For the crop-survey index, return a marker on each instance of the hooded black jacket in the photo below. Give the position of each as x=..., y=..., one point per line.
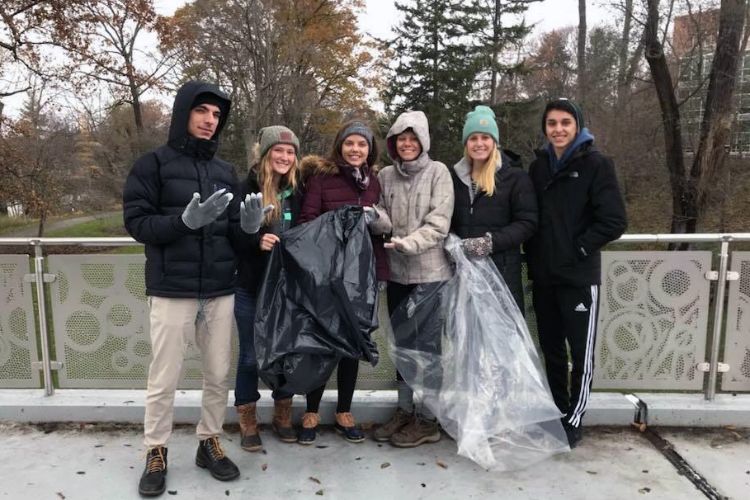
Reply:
x=580, y=210
x=181, y=262
x=509, y=215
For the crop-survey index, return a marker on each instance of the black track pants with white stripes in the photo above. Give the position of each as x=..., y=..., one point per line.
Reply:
x=569, y=314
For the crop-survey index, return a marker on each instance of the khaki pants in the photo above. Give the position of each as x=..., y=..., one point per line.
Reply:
x=173, y=324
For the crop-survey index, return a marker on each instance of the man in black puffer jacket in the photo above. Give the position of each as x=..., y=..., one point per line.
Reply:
x=580, y=210
x=179, y=201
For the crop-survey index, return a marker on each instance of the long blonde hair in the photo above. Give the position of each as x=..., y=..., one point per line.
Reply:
x=269, y=188
x=485, y=178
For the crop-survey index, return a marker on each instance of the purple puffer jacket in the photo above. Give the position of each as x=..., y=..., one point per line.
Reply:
x=329, y=189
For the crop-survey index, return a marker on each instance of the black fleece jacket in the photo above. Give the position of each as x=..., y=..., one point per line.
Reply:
x=580, y=210
x=181, y=262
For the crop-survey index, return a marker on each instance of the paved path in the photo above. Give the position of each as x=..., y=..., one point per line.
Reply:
x=60, y=224
x=105, y=461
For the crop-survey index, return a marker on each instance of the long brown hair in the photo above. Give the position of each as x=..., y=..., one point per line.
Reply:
x=269, y=188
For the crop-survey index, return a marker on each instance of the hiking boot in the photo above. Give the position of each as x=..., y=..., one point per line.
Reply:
x=211, y=456
x=416, y=432
x=345, y=426
x=153, y=480
x=282, y=420
x=249, y=428
x=309, y=428
x=397, y=422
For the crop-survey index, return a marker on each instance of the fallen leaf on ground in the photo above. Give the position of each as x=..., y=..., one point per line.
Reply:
x=59, y=494
x=314, y=479
x=441, y=464
x=264, y=466
x=319, y=493
x=385, y=465
x=643, y=491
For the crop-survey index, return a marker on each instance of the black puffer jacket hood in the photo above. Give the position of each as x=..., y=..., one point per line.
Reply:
x=179, y=138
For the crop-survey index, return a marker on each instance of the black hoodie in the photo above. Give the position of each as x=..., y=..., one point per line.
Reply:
x=181, y=262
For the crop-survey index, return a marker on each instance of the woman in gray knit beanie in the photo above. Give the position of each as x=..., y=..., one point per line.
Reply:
x=275, y=179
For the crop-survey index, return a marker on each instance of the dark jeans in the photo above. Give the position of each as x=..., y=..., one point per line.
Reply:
x=246, y=386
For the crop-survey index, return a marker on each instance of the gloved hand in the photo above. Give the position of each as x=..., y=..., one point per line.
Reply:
x=199, y=214
x=252, y=212
x=371, y=215
x=478, y=247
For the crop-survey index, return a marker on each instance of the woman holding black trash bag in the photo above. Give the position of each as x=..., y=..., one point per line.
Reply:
x=275, y=178
x=346, y=177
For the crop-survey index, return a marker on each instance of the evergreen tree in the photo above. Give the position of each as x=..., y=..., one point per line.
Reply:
x=438, y=54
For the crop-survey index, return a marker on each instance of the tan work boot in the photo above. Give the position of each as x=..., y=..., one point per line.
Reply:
x=418, y=431
x=282, y=420
x=398, y=421
x=249, y=428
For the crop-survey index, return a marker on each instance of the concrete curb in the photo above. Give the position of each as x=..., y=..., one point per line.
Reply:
x=127, y=406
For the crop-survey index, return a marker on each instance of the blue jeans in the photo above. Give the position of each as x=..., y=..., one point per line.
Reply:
x=246, y=386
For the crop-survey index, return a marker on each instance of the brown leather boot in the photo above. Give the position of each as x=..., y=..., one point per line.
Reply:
x=249, y=428
x=282, y=420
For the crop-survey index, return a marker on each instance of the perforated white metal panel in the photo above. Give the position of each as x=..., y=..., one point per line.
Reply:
x=653, y=320
x=18, y=346
x=101, y=323
x=737, y=345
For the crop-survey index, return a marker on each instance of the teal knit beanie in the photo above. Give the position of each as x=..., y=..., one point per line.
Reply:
x=481, y=120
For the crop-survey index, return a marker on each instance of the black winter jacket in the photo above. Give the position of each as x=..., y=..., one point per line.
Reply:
x=580, y=210
x=181, y=262
x=252, y=260
x=509, y=215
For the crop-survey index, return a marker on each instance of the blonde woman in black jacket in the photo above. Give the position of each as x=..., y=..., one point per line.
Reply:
x=495, y=207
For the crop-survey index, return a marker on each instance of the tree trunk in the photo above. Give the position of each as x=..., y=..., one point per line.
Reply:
x=720, y=105
x=42, y=221
x=684, y=202
x=582, y=33
x=495, y=49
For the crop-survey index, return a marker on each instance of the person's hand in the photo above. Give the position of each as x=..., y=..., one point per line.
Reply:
x=252, y=212
x=478, y=247
x=395, y=244
x=199, y=214
x=267, y=241
x=371, y=215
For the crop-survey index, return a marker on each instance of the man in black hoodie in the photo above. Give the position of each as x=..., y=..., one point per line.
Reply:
x=179, y=201
x=580, y=210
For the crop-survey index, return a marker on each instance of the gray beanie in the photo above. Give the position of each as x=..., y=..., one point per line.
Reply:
x=276, y=134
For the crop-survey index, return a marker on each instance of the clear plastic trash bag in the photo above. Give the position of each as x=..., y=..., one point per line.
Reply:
x=464, y=348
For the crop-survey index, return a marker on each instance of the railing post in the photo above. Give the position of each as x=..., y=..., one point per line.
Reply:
x=721, y=286
x=42, y=308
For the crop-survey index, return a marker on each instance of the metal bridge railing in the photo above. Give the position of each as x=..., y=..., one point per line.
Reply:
x=654, y=331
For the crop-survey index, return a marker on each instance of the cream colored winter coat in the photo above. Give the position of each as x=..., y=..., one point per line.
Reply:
x=416, y=206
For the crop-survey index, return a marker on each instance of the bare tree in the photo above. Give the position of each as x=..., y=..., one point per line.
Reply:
x=690, y=186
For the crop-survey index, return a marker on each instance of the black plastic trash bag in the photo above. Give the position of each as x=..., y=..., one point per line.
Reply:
x=318, y=302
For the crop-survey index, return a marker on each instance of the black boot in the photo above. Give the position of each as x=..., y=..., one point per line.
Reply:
x=153, y=480
x=211, y=456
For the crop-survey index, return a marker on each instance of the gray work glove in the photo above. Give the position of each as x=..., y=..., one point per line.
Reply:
x=199, y=214
x=252, y=212
x=478, y=247
x=371, y=215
